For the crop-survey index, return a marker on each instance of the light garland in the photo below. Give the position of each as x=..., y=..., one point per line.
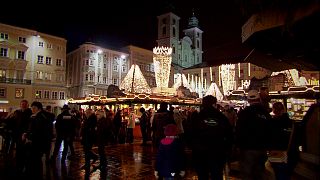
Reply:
x=227, y=72
x=162, y=65
x=182, y=81
x=215, y=91
x=139, y=85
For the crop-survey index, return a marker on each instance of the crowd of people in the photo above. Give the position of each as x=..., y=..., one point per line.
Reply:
x=216, y=135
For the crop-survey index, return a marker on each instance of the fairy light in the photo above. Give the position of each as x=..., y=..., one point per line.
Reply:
x=227, y=77
x=183, y=83
x=219, y=76
x=214, y=91
x=211, y=79
x=239, y=69
x=249, y=71
x=140, y=84
x=162, y=65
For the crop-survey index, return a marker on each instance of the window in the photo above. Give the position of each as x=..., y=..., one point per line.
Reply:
x=61, y=95
x=22, y=39
x=174, y=32
x=91, y=77
x=173, y=21
x=19, y=93
x=47, y=76
x=98, y=79
x=164, y=31
x=40, y=59
x=39, y=74
x=41, y=44
x=49, y=46
x=105, y=80
x=4, y=36
x=185, y=58
x=204, y=74
x=124, y=68
x=38, y=94
x=59, y=62
x=54, y=95
x=48, y=60
x=2, y=73
x=115, y=67
x=4, y=52
x=198, y=34
x=46, y=94
x=60, y=78
x=87, y=62
x=3, y=92
x=198, y=43
x=164, y=20
x=147, y=67
x=105, y=66
x=152, y=68
x=198, y=59
x=21, y=54
x=91, y=62
x=87, y=77
x=115, y=81
x=173, y=49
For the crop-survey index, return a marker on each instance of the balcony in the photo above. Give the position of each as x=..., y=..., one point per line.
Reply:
x=14, y=81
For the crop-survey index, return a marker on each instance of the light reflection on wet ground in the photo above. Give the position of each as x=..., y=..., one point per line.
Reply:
x=125, y=161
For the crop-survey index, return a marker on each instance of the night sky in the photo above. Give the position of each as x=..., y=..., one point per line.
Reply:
x=123, y=22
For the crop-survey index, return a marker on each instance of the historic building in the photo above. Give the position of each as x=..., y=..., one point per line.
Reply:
x=187, y=51
x=32, y=67
x=91, y=68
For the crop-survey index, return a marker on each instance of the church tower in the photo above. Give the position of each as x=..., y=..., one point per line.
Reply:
x=168, y=33
x=195, y=34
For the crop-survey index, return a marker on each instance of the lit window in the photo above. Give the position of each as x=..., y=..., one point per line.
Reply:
x=22, y=39
x=21, y=54
x=41, y=44
x=91, y=77
x=40, y=59
x=39, y=74
x=2, y=73
x=38, y=94
x=4, y=36
x=48, y=60
x=105, y=80
x=49, y=46
x=19, y=93
x=4, y=52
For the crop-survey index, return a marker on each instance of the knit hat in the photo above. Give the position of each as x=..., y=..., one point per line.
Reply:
x=170, y=130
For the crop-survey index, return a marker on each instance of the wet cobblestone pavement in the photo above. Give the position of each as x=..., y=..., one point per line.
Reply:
x=124, y=161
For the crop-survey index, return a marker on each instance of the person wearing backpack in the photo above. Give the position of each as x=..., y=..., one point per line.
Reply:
x=212, y=140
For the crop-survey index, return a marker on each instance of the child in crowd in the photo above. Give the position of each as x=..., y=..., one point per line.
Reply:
x=170, y=160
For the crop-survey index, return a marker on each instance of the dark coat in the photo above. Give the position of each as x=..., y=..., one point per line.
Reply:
x=170, y=157
x=88, y=130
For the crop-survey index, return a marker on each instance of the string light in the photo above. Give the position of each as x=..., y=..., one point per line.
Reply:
x=182, y=81
x=215, y=91
x=140, y=84
x=162, y=65
x=227, y=77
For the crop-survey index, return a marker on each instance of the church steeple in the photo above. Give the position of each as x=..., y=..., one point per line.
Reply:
x=193, y=21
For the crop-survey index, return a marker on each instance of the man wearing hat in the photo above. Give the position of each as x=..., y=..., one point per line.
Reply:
x=65, y=130
x=252, y=133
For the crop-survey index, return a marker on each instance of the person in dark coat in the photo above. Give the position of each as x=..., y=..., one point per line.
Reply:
x=161, y=118
x=117, y=121
x=212, y=140
x=143, y=126
x=51, y=117
x=253, y=137
x=38, y=137
x=17, y=125
x=89, y=136
x=170, y=160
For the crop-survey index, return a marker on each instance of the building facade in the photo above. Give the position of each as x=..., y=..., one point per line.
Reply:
x=32, y=67
x=91, y=68
x=144, y=59
x=187, y=51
